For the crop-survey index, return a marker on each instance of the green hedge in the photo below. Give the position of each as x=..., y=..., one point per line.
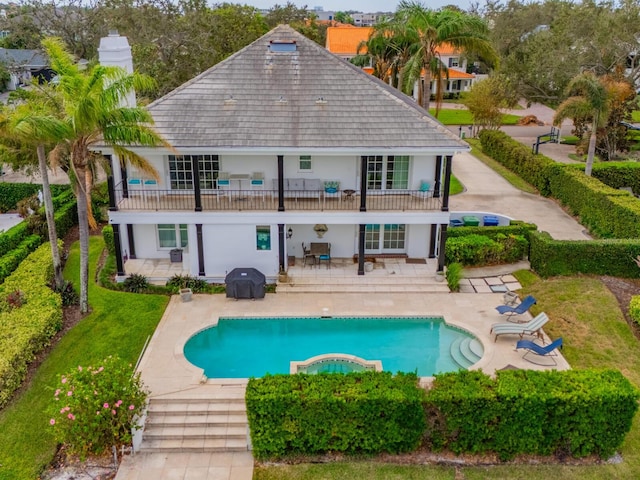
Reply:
x=370, y=412
x=65, y=219
x=107, y=234
x=515, y=228
x=12, y=193
x=535, y=169
x=570, y=413
x=478, y=250
x=634, y=309
x=550, y=257
x=26, y=330
x=616, y=174
x=10, y=261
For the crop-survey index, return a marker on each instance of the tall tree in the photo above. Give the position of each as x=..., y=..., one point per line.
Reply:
x=37, y=102
x=433, y=29
x=588, y=98
x=92, y=114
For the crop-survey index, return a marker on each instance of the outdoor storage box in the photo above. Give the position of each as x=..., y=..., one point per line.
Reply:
x=176, y=255
x=454, y=222
x=471, y=221
x=490, y=221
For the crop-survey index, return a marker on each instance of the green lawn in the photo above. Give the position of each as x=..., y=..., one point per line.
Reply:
x=118, y=325
x=586, y=315
x=450, y=116
x=635, y=116
x=455, y=186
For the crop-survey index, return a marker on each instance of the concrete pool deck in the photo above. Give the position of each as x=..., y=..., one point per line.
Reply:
x=165, y=370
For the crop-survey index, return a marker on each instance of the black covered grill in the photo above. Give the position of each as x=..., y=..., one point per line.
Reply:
x=245, y=283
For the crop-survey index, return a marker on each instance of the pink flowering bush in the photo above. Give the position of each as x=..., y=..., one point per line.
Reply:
x=94, y=407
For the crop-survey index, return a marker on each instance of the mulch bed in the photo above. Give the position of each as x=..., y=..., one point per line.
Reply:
x=623, y=289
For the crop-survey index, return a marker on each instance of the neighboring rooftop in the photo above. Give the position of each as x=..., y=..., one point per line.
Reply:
x=285, y=91
x=24, y=58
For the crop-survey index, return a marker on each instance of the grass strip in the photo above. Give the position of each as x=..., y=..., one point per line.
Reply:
x=459, y=116
x=119, y=324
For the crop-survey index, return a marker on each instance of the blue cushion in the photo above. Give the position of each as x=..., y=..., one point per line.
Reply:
x=223, y=182
x=257, y=182
x=424, y=186
x=324, y=257
x=330, y=190
x=134, y=181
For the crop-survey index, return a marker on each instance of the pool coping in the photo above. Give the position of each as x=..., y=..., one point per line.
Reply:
x=166, y=371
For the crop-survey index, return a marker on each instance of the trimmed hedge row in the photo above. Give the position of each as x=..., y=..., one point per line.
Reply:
x=65, y=218
x=571, y=413
x=515, y=228
x=61, y=203
x=574, y=412
x=109, y=242
x=634, y=309
x=12, y=193
x=479, y=250
x=535, y=169
x=369, y=412
x=27, y=329
x=613, y=257
x=616, y=174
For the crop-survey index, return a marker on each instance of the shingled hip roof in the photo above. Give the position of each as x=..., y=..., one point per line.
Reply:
x=301, y=98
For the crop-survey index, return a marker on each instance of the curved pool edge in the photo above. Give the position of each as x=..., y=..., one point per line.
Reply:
x=488, y=347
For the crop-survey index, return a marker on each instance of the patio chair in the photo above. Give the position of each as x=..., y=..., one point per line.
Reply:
x=511, y=311
x=308, y=258
x=549, y=351
x=532, y=327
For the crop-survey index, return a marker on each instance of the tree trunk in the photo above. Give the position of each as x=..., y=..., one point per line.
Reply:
x=591, y=152
x=83, y=223
x=51, y=224
x=426, y=90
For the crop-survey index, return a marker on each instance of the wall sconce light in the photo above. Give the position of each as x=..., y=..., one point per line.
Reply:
x=289, y=233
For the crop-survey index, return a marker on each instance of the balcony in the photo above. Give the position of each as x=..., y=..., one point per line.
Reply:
x=267, y=200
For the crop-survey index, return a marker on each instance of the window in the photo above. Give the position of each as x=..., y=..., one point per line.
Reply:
x=388, y=238
x=454, y=62
x=172, y=236
x=263, y=237
x=305, y=163
x=392, y=174
x=181, y=173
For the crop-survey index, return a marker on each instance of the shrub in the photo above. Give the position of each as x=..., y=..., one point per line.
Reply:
x=576, y=413
x=634, y=309
x=368, y=412
x=197, y=285
x=12, y=193
x=478, y=249
x=454, y=274
x=27, y=330
x=550, y=257
x=135, y=283
x=67, y=293
x=107, y=234
x=10, y=261
x=94, y=408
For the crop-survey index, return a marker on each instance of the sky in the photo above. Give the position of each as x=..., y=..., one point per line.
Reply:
x=365, y=6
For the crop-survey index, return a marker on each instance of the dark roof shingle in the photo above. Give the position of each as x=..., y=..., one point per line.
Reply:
x=304, y=99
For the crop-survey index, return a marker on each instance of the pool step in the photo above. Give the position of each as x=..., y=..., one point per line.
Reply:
x=215, y=420
x=466, y=351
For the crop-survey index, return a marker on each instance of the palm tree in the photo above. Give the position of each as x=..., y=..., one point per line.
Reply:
x=17, y=136
x=588, y=98
x=433, y=29
x=93, y=113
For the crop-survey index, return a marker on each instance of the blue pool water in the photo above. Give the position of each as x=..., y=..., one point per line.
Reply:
x=252, y=347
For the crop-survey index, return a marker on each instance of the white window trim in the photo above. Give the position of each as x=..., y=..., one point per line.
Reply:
x=177, y=232
x=310, y=160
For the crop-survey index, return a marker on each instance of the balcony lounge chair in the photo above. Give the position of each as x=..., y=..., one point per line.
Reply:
x=511, y=311
x=530, y=328
x=535, y=349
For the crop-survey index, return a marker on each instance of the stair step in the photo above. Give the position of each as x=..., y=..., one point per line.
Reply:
x=179, y=432
x=466, y=351
x=330, y=287
x=193, y=445
x=197, y=408
x=205, y=420
x=457, y=355
x=477, y=348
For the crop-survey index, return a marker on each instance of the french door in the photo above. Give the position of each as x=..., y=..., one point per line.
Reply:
x=385, y=238
x=387, y=173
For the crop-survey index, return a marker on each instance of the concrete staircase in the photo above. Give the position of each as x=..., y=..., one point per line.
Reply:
x=197, y=424
x=362, y=284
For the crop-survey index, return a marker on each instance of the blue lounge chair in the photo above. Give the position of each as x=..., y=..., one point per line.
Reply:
x=530, y=328
x=519, y=309
x=547, y=351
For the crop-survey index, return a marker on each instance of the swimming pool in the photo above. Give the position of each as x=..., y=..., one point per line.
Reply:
x=251, y=347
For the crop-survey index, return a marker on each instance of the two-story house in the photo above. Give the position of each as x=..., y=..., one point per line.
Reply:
x=279, y=144
x=344, y=41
